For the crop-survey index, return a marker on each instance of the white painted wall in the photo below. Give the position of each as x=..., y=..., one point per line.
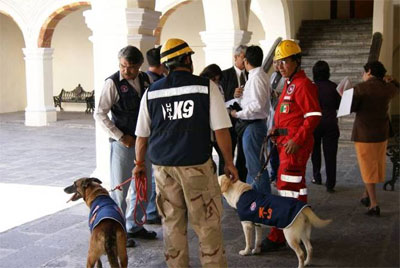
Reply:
x=186, y=23
x=322, y=11
x=12, y=67
x=193, y=12
x=395, y=105
x=256, y=29
x=309, y=10
x=396, y=42
x=383, y=22
x=73, y=56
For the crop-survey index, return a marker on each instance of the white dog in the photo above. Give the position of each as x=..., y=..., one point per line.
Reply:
x=296, y=227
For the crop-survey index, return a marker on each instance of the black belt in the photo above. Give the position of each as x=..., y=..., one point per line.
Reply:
x=280, y=132
x=252, y=121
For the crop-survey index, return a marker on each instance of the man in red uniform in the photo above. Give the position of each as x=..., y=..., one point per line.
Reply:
x=296, y=116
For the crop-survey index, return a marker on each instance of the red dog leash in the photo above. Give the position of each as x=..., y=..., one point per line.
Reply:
x=141, y=195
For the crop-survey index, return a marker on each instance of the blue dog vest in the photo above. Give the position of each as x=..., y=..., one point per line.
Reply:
x=103, y=207
x=268, y=209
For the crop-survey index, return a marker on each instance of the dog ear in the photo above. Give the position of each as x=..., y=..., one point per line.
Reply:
x=96, y=180
x=86, y=182
x=225, y=183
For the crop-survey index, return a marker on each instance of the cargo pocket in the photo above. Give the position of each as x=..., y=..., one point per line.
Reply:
x=204, y=206
x=205, y=200
x=159, y=203
x=297, y=162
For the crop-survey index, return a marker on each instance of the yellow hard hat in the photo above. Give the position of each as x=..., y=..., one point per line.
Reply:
x=173, y=48
x=286, y=48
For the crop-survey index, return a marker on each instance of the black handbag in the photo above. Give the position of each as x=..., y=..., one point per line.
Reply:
x=240, y=127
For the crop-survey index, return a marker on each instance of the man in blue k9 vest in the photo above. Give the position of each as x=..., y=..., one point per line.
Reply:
x=177, y=115
x=121, y=95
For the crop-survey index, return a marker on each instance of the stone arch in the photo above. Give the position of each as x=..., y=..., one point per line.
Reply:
x=47, y=30
x=275, y=17
x=164, y=18
x=13, y=84
x=9, y=12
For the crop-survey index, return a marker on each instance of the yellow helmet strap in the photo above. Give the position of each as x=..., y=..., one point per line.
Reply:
x=174, y=49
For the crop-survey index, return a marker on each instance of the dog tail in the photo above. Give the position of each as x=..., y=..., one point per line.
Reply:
x=314, y=219
x=110, y=245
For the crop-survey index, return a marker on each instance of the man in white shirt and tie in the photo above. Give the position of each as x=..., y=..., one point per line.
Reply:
x=255, y=104
x=232, y=82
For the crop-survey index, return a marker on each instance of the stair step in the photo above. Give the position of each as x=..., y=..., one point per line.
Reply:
x=345, y=45
x=339, y=69
x=335, y=43
x=335, y=36
x=354, y=80
x=345, y=143
x=336, y=28
x=361, y=59
x=347, y=119
x=337, y=22
x=336, y=78
x=346, y=128
x=345, y=135
x=339, y=51
x=335, y=66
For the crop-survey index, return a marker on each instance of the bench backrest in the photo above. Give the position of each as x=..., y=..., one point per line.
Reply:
x=77, y=93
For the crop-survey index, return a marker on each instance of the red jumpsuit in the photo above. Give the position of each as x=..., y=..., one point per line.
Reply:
x=298, y=112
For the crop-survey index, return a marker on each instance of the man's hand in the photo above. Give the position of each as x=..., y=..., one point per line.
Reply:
x=388, y=78
x=139, y=170
x=231, y=172
x=291, y=147
x=238, y=92
x=272, y=135
x=233, y=113
x=127, y=140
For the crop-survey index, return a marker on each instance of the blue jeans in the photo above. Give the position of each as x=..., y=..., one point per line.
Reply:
x=253, y=138
x=151, y=211
x=273, y=161
x=121, y=165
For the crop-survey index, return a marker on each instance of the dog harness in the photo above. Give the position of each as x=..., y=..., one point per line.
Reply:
x=268, y=209
x=103, y=207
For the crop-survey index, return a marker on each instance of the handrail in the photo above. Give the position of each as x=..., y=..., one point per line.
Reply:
x=375, y=48
x=270, y=56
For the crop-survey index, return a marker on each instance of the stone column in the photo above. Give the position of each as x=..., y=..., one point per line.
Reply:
x=220, y=46
x=383, y=23
x=114, y=26
x=141, y=24
x=40, y=109
x=222, y=36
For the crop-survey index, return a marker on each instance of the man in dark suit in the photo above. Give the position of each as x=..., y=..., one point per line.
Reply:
x=232, y=82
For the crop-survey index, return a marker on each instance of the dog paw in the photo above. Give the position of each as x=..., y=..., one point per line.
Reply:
x=245, y=252
x=256, y=250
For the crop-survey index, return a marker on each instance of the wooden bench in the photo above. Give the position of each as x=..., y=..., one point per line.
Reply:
x=393, y=151
x=78, y=95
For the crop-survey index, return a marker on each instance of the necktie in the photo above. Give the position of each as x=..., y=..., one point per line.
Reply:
x=242, y=79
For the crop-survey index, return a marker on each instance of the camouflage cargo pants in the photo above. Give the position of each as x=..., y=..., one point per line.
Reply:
x=190, y=192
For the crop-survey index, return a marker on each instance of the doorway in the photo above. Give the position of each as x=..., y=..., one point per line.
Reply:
x=345, y=9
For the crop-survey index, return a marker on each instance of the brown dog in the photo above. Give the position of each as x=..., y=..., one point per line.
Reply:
x=106, y=221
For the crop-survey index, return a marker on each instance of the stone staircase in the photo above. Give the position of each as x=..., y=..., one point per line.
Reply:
x=345, y=45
